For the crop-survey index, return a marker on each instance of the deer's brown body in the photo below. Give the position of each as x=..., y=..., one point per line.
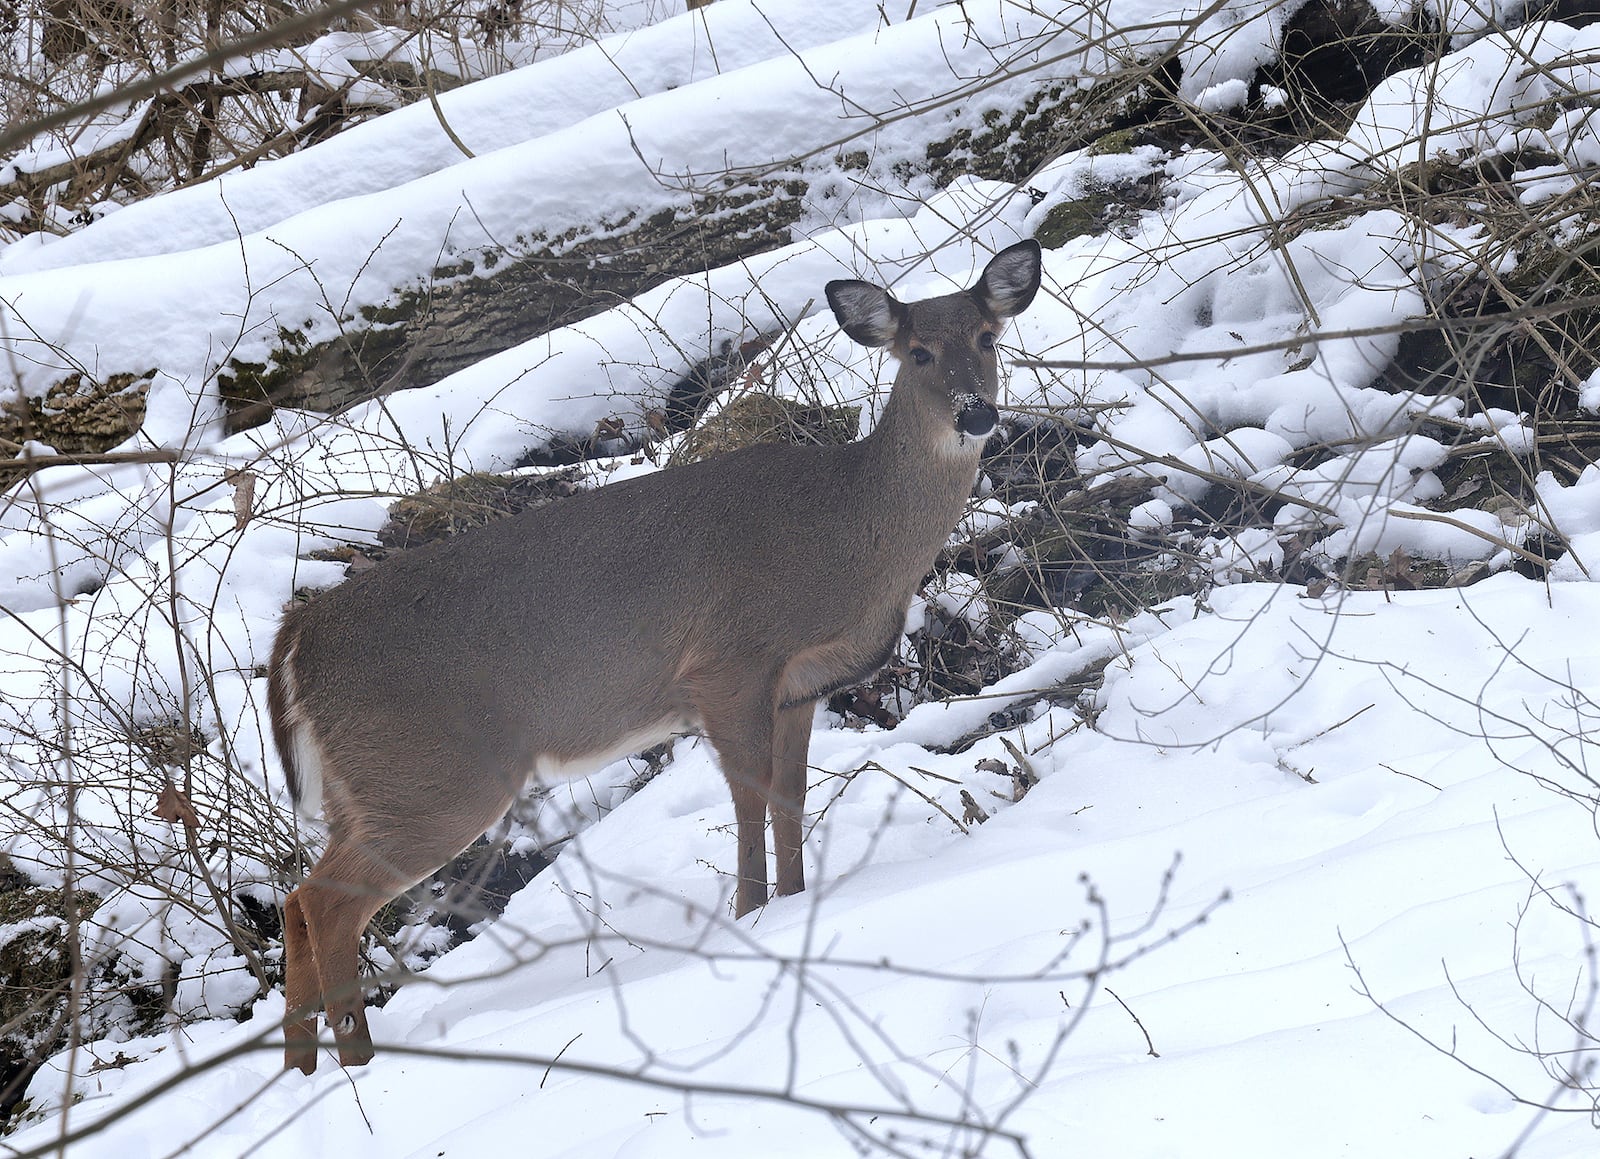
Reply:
x=413, y=703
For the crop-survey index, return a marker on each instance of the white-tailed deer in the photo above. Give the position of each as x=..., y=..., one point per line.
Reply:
x=413, y=703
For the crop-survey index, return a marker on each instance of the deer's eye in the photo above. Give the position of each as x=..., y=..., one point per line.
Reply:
x=921, y=356
x=986, y=340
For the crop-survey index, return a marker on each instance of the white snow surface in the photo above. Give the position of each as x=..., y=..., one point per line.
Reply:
x=1378, y=803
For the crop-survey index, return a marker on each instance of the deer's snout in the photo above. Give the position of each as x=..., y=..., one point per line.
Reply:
x=975, y=416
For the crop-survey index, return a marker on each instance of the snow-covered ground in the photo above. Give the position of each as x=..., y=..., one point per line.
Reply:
x=1360, y=813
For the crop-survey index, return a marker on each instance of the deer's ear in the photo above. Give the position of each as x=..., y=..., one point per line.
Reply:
x=868, y=313
x=1010, y=280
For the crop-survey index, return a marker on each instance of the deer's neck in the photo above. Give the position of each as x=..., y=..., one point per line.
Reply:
x=921, y=469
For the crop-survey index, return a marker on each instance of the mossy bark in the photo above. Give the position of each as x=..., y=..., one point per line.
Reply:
x=459, y=317
x=84, y=414
x=35, y=977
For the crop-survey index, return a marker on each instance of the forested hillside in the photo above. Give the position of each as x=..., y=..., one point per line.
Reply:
x=1230, y=789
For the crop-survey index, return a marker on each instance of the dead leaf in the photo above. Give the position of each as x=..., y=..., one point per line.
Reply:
x=1469, y=486
x=1401, y=572
x=172, y=806
x=244, y=494
x=972, y=813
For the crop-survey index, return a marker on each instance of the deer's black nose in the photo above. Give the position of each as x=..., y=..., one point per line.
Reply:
x=975, y=416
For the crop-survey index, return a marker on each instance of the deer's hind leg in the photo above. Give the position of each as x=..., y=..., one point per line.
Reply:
x=410, y=823
x=302, y=990
x=366, y=866
x=324, y=920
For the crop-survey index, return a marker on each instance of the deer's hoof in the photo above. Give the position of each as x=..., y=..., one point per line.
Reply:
x=300, y=1047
